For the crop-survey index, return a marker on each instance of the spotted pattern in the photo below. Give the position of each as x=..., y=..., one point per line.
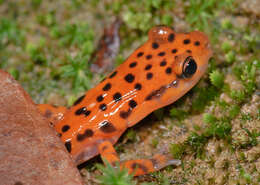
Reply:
x=140, y=54
x=149, y=76
x=168, y=70
x=88, y=133
x=129, y=78
x=143, y=81
x=148, y=57
x=100, y=98
x=68, y=146
x=79, y=100
x=138, y=86
x=133, y=64
x=82, y=110
x=163, y=63
x=132, y=104
x=113, y=74
x=148, y=67
x=161, y=54
x=107, y=127
x=155, y=45
x=65, y=128
x=186, y=41
x=174, y=50
x=107, y=87
x=117, y=97
x=171, y=37
x=125, y=114
x=103, y=107
x=197, y=43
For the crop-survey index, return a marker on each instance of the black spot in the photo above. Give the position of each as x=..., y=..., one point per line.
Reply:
x=161, y=54
x=188, y=51
x=129, y=78
x=171, y=37
x=197, y=43
x=87, y=112
x=107, y=87
x=163, y=63
x=65, y=128
x=155, y=45
x=138, y=86
x=103, y=107
x=136, y=165
x=148, y=66
x=117, y=97
x=133, y=64
x=168, y=70
x=68, y=146
x=79, y=100
x=174, y=50
x=156, y=93
x=100, y=98
x=107, y=127
x=149, y=76
x=113, y=74
x=86, y=134
x=148, y=57
x=132, y=104
x=81, y=110
x=140, y=54
x=186, y=41
x=59, y=134
x=125, y=114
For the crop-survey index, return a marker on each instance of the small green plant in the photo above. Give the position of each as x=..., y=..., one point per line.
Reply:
x=10, y=33
x=253, y=135
x=205, y=96
x=177, y=150
x=114, y=176
x=217, y=79
x=178, y=114
x=209, y=118
x=77, y=71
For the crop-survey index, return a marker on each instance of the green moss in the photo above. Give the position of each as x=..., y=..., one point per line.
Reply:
x=178, y=114
x=217, y=79
x=177, y=150
x=114, y=176
x=253, y=135
x=238, y=95
x=77, y=71
x=246, y=72
x=196, y=142
x=204, y=97
x=209, y=118
x=10, y=33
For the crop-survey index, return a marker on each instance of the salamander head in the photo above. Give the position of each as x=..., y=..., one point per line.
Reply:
x=183, y=59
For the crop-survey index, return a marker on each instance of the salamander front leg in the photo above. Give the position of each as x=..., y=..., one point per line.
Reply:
x=138, y=166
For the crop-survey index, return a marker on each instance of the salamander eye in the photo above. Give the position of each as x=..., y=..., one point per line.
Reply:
x=189, y=67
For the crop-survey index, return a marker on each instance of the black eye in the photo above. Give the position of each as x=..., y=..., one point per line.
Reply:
x=189, y=67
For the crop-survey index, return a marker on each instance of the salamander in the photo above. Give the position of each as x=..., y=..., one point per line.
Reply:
x=156, y=74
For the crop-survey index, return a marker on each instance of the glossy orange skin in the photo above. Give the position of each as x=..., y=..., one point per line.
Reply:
x=150, y=78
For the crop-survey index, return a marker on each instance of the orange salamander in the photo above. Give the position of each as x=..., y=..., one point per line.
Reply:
x=156, y=74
